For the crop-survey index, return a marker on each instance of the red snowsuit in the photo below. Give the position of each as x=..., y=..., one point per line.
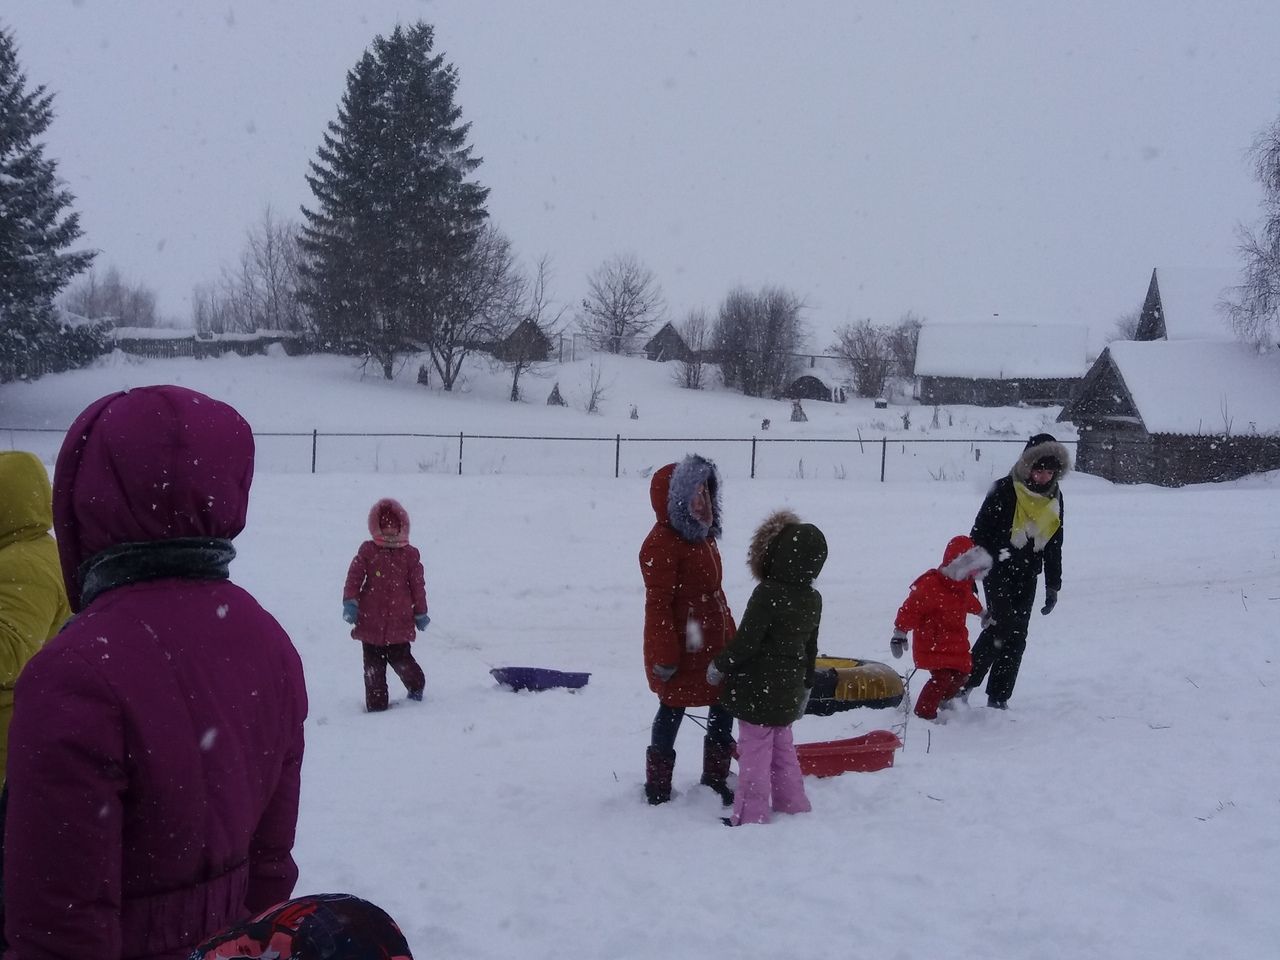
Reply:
x=935, y=611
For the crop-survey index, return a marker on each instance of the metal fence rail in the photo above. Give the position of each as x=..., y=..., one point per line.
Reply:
x=859, y=458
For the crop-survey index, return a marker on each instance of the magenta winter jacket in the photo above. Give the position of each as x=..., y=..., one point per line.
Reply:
x=387, y=581
x=157, y=740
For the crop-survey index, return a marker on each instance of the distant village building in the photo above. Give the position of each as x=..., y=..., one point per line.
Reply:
x=1185, y=303
x=1178, y=412
x=811, y=387
x=1182, y=402
x=526, y=342
x=667, y=344
x=1000, y=364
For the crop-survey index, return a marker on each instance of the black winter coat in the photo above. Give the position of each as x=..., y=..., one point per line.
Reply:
x=992, y=529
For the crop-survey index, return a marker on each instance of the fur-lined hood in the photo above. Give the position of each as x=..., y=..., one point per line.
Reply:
x=783, y=548
x=672, y=488
x=388, y=506
x=1042, y=445
x=963, y=560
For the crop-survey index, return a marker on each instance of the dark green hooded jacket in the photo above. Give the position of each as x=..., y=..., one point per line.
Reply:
x=769, y=664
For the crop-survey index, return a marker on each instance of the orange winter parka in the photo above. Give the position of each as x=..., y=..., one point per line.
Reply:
x=686, y=616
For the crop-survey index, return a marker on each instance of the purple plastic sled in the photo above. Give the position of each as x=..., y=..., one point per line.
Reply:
x=538, y=678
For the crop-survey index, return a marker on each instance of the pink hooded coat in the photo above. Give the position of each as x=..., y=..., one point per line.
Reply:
x=387, y=580
x=157, y=741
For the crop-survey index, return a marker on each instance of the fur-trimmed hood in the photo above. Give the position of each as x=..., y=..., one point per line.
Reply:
x=380, y=509
x=672, y=488
x=784, y=548
x=964, y=560
x=1041, y=445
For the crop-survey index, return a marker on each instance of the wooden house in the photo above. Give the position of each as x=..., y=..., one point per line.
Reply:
x=1177, y=412
x=526, y=342
x=667, y=344
x=1000, y=364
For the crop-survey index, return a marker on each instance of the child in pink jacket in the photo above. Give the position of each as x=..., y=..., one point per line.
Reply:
x=385, y=600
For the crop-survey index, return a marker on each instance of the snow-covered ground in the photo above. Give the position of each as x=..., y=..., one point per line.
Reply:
x=333, y=395
x=1125, y=806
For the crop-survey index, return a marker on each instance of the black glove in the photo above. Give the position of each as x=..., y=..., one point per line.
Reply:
x=898, y=644
x=1050, y=600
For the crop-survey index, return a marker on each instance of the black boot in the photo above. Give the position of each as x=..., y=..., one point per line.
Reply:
x=715, y=768
x=659, y=765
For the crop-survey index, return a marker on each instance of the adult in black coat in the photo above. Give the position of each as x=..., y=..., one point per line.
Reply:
x=1020, y=525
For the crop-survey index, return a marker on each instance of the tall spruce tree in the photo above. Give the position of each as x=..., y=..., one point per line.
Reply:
x=395, y=218
x=35, y=230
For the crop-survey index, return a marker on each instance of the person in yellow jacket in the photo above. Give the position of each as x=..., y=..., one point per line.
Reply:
x=33, y=600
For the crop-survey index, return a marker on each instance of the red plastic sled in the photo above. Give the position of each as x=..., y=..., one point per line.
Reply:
x=830, y=758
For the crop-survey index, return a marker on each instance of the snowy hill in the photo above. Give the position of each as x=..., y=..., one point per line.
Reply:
x=279, y=394
x=1124, y=806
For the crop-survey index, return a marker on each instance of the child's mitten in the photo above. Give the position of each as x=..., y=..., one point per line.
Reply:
x=420, y=620
x=898, y=644
x=350, y=611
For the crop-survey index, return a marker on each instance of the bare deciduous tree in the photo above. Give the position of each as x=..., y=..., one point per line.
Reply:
x=1126, y=325
x=210, y=312
x=111, y=297
x=261, y=291
x=756, y=339
x=268, y=275
x=623, y=301
x=864, y=346
x=597, y=389
x=1253, y=305
x=904, y=340
x=481, y=305
x=524, y=351
x=696, y=332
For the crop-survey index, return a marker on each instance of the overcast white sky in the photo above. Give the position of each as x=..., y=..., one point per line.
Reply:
x=1027, y=159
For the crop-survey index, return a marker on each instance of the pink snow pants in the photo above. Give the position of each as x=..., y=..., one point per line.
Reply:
x=769, y=777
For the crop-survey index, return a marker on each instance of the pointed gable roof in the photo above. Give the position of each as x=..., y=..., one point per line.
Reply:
x=1151, y=322
x=1188, y=300
x=1183, y=387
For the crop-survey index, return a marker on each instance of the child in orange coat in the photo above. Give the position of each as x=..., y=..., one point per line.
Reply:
x=935, y=610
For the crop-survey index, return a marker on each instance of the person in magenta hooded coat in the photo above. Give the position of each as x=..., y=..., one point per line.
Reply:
x=157, y=741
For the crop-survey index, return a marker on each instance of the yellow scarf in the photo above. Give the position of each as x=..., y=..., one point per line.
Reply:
x=1036, y=518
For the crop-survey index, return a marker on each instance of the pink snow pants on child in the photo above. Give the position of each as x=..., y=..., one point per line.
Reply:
x=769, y=777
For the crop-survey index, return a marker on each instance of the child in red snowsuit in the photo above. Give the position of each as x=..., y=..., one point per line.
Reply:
x=385, y=600
x=935, y=610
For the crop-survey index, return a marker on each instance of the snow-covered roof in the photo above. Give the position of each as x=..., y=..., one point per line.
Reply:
x=153, y=333
x=1190, y=297
x=1002, y=351
x=1198, y=386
